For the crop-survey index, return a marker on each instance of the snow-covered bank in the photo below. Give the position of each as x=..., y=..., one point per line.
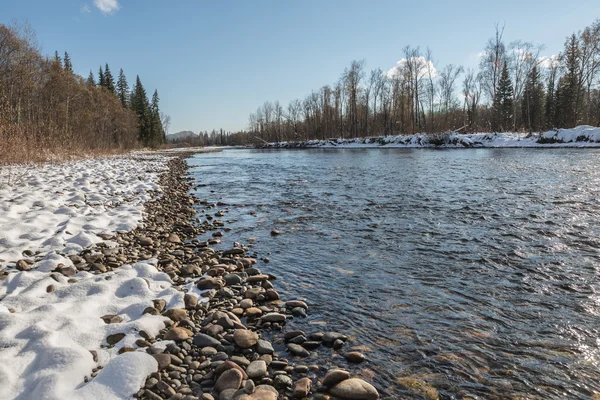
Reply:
x=52, y=208
x=47, y=338
x=581, y=136
x=53, y=337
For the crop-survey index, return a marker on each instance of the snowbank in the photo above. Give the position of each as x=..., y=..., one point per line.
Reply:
x=46, y=337
x=581, y=136
x=61, y=208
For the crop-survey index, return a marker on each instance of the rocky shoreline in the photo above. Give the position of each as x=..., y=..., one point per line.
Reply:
x=222, y=345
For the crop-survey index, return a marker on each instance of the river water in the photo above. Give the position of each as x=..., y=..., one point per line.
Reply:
x=476, y=272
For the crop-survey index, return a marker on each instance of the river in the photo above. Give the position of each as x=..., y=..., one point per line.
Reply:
x=475, y=271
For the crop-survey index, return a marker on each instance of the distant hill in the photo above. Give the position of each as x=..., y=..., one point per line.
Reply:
x=173, y=137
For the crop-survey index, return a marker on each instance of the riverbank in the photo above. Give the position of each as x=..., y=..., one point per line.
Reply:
x=154, y=306
x=581, y=136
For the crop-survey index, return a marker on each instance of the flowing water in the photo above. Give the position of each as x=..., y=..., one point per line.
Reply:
x=474, y=271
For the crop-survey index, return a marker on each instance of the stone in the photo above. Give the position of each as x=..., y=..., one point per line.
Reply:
x=203, y=340
x=245, y=338
x=112, y=319
x=257, y=369
x=230, y=379
x=114, y=339
x=419, y=387
x=232, y=279
x=227, y=394
x=253, y=312
x=22, y=265
x=282, y=381
x=338, y=344
x=227, y=365
x=159, y=304
x=335, y=376
x=302, y=388
x=145, y=241
x=296, y=303
x=264, y=347
x=163, y=360
x=210, y=283
x=330, y=337
x=354, y=389
x=190, y=301
x=176, y=314
x=173, y=238
x=246, y=303
x=297, y=350
x=177, y=334
x=249, y=387
x=273, y=317
x=354, y=357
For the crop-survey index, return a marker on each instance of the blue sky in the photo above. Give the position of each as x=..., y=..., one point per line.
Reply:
x=214, y=62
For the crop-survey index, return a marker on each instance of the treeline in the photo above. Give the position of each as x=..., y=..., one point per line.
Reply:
x=514, y=89
x=47, y=109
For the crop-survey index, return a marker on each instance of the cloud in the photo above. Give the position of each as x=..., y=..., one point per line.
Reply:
x=85, y=9
x=548, y=61
x=423, y=66
x=107, y=6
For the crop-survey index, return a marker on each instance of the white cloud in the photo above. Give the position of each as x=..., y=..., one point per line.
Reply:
x=548, y=61
x=107, y=6
x=85, y=9
x=423, y=65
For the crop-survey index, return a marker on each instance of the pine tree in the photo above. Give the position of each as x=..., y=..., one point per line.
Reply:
x=57, y=57
x=109, y=81
x=141, y=107
x=567, y=105
x=550, y=105
x=532, y=107
x=90, y=79
x=67, y=63
x=155, y=124
x=101, y=81
x=503, y=102
x=122, y=88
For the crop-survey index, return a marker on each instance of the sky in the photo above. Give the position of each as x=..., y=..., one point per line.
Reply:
x=215, y=62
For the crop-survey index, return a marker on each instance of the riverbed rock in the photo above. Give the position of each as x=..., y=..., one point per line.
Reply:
x=257, y=369
x=163, y=360
x=354, y=357
x=354, y=389
x=230, y=379
x=176, y=314
x=245, y=338
x=297, y=350
x=264, y=347
x=177, y=334
x=335, y=376
x=273, y=317
x=203, y=340
x=302, y=388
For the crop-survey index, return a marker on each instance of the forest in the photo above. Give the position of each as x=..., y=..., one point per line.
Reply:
x=46, y=110
x=514, y=88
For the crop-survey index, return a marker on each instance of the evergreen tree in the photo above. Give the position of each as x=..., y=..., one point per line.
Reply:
x=67, y=63
x=57, y=57
x=550, y=105
x=101, y=81
x=503, y=102
x=567, y=105
x=532, y=107
x=109, y=81
x=122, y=88
x=157, y=134
x=90, y=79
x=141, y=107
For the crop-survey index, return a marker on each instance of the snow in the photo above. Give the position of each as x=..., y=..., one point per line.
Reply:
x=45, y=342
x=581, y=136
x=46, y=335
x=62, y=207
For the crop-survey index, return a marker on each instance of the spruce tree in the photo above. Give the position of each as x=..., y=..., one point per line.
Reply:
x=90, y=79
x=157, y=134
x=109, y=81
x=141, y=107
x=122, y=88
x=532, y=107
x=550, y=105
x=67, y=63
x=57, y=57
x=101, y=81
x=503, y=102
x=568, y=105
